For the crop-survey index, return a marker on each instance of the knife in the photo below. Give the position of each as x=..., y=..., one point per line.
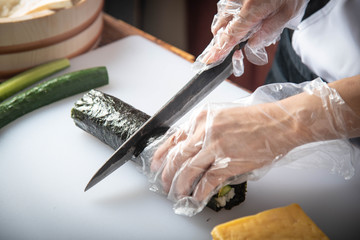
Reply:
x=191, y=94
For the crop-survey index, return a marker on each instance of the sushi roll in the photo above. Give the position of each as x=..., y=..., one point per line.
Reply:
x=113, y=121
x=228, y=197
x=107, y=118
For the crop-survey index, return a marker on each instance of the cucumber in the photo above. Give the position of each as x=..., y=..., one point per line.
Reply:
x=31, y=76
x=224, y=190
x=51, y=91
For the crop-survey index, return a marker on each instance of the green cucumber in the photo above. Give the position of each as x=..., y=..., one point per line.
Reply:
x=31, y=76
x=51, y=91
x=224, y=190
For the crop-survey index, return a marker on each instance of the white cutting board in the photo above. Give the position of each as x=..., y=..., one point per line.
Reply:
x=46, y=162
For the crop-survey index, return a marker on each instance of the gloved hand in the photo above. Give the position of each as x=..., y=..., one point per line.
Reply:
x=240, y=141
x=260, y=21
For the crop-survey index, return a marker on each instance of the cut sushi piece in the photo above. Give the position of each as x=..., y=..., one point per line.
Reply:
x=232, y=198
x=114, y=121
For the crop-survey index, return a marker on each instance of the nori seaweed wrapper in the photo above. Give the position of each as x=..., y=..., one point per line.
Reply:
x=114, y=121
x=107, y=118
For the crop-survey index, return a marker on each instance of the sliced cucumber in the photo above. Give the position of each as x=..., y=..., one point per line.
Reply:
x=224, y=190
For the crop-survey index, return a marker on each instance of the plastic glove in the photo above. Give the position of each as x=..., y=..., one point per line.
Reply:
x=235, y=142
x=260, y=21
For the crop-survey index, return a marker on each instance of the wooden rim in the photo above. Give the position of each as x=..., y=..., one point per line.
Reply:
x=4, y=74
x=52, y=40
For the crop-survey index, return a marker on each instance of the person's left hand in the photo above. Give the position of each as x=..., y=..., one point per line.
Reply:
x=235, y=142
x=218, y=144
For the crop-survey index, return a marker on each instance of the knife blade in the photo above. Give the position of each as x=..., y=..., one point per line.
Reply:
x=191, y=94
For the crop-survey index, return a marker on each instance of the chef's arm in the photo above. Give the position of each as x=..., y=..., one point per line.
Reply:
x=327, y=117
x=349, y=90
x=222, y=142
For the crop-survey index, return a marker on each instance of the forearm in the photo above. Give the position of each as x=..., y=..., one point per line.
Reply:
x=317, y=118
x=349, y=90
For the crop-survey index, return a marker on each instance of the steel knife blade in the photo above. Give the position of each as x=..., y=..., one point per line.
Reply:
x=191, y=94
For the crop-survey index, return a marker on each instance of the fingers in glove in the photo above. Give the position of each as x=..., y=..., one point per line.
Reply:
x=221, y=46
x=177, y=156
x=225, y=40
x=270, y=29
x=220, y=172
x=163, y=149
x=182, y=145
x=238, y=63
x=226, y=10
x=187, y=177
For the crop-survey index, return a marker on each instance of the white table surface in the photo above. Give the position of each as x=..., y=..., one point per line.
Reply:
x=46, y=162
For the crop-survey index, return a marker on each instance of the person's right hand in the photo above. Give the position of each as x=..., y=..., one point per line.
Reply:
x=259, y=21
